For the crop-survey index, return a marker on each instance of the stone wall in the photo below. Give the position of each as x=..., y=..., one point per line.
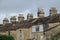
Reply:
x=53, y=31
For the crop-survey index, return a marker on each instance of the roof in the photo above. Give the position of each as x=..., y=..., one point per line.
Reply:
x=29, y=23
x=51, y=28
x=17, y=25
x=1, y=25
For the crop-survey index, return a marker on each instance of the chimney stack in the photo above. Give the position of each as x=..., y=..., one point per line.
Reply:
x=53, y=11
x=5, y=21
x=13, y=19
x=20, y=17
x=40, y=13
x=29, y=16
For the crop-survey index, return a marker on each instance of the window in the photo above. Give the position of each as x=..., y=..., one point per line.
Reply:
x=33, y=29
x=20, y=31
x=20, y=34
x=37, y=28
x=41, y=28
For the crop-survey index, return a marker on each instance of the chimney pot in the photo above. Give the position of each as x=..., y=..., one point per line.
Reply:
x=40, y=13
x=13, y=19
x=5, y=21
x=20, y=17
x=53, y=11
x=29, y=16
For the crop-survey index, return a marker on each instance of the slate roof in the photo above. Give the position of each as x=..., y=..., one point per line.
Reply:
x=29, y=23
x=17, y=25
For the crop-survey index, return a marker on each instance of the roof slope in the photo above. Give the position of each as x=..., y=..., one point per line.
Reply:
x=29, y=23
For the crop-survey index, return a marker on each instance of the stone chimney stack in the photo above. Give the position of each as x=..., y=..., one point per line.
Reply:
x=20, y=17
x=29, y=16
x=40, y=13
x=53, y=11
x=5, y=21
x=13, y=19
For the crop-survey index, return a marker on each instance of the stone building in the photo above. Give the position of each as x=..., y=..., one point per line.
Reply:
x=39, y=28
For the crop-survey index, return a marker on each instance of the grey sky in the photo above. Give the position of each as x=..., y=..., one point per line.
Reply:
x=14, y=7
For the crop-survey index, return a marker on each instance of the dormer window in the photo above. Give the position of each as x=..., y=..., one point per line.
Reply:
x=37, y=28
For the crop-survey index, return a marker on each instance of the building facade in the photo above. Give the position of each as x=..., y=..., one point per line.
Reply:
x=39, y=28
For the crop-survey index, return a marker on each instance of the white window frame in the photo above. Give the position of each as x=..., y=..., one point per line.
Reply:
x=40, y=28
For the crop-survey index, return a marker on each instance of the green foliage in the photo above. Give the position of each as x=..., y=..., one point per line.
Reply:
x=53, y=37
x=6, y=37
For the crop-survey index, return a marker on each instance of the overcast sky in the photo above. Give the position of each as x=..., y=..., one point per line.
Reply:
x=10, y=8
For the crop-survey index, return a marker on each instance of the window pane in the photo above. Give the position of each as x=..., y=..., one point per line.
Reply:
x=33, y=29
x=37, y=28
x=41, y=28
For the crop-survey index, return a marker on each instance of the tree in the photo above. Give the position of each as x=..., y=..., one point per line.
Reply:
x=6, y=37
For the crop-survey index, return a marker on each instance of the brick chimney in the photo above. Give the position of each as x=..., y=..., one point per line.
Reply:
x=20, y=17
x=40, y=13
x=5, y=21
x=13, y=19
x=29, y=16
x=53, y=11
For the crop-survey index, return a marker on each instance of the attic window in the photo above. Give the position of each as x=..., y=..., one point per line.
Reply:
x=37, y=28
